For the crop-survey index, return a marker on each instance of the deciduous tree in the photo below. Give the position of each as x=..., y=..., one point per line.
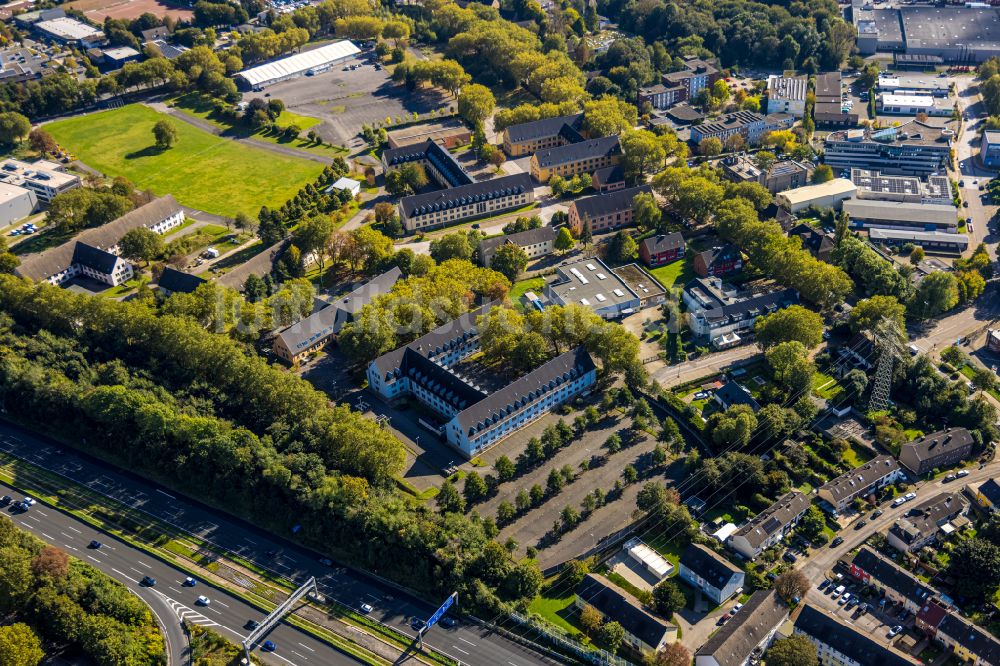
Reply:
x=165, y=134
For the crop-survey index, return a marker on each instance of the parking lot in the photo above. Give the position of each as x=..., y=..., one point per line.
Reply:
x=346, y=99
x=865, y=609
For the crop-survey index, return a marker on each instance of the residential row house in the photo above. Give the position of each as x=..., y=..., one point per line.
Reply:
x=770, y=526
x=896, y=584
x=923, y=524
x=744, y=639
x=940, y=449
x=705, y=570
x=644, y=632
x=863, y=482
x=662, y=249
x=968, y=643
x=841, y=644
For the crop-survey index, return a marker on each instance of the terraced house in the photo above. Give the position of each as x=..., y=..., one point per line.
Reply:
x=769, y=526
x=432, y=210
x=473, y=419
x=574, y=158
x=859, y=482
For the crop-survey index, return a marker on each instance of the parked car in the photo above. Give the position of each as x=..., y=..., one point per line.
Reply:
x=895, y=631
x=876, y=513
x=789, y=556
x=824, y=584
x=837, y=591
x=910, y=496
x=861, y=523
x=950, y=477
x=844, y=598
x=963, y=473
x=836, y=541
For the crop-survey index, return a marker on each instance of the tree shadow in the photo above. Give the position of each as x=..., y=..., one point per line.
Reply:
x=148, y=151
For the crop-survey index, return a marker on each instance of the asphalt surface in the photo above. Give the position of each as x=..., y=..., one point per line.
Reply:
x=468, y=643
x=169, y=599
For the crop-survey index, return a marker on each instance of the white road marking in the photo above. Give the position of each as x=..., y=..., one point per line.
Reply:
x=460, y=649
x=213, y=610
x=74, y=529
x=71, y=547
x=222, y=604
x=41, y=512
x=372, y=596
x=50, y=538
x=300, y=655
x=249, y=540
x=307, y=647
x=167, y=494
x=125, y=576
x=145, y=565
x=33, y=518
x=511, y=663
x=135, y=570
x=175, y=589
x=94, y=559
x=66, y=535
x=284, y=659
x=465, y=641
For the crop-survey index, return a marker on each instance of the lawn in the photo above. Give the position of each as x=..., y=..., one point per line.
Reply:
x=201, y=170
x=556, y=610
x=678, y=272
x=825, y=386
x=521, y=286
x=856, y=456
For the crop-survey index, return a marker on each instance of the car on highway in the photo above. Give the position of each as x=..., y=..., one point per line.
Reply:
x=447, y=622
x=95, y=544
x=27, y=501
x=895, y=630
x=190, y=582
x=326, y=561
x=148, y=581
x=836, y=542
x=251, y=625
x=417, y=624
x=203, y=600
x=5, y=500
x=268, y=646
x=366, y=608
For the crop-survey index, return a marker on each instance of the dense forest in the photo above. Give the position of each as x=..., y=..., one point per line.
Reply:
x=50, y=600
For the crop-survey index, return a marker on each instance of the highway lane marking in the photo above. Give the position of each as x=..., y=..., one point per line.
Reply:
x=465, y=641
x=49, y=537
x=125, y=576
x=41, y=512
x=145, y=565
x=217, y=612
x=71, y=547
x=68, y=536
x=285, y=659
x=94, y=559
x=73, y=529
x=372, y=596
x=167, y=494
x=460, y=649
x=34, y=519
x=249, y=540
x=300, y=655
x=222, y=604
x=307, y=647
x=511, y=663
x=175, y=589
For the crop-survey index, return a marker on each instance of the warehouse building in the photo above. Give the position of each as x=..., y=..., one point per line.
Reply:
x=933, y=242
x=830, y=194
x=787, y=95
x=66, y=30
x=910, y=104
x=16, y=203
x=874, y=185
x=919, y=84
x=954, y=34
x=315, y=61
x=901, y=215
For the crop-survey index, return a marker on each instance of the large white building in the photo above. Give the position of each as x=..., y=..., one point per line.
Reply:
x=16, y=203
x=314, y=61
x=472, y=419
x=46, y=179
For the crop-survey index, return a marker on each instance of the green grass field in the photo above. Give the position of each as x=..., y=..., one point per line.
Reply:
x=678, y=272
x=521, y=286
x=201, y=170
x=557, y=610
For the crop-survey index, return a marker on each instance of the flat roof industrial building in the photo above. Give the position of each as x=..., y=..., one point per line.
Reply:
x=315, y=60
x=901, y=215
x=954, y=34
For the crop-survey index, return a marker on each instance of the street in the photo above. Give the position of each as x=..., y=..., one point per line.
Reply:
x=470, y=643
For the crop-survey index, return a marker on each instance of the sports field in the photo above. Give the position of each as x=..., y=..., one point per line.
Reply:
x=98, y=10
x=203, y=171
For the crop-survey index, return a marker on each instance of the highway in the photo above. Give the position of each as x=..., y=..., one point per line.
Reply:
x=468, y=643
x=169, y=599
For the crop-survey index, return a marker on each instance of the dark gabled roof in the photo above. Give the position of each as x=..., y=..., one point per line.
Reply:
x=444, y=162
x=440, y=339
x=708, y=564
x=546, y=127
x=990, y=490
x=609, y=202
x=720, y=253
x=812, y=239
x=664, y=242
x=55, y=260
x=685, y=113
x=862, y=477
x=924, y=520
x=329, y=320
x=517, y=394
x=609, y=175
x=576, y=152
x=521, y=239
x=893, y=577
x=462, y=195
x=731, y=394
x=938, y=443
x=439, y=381
x=620, y=607
x=979, y=642
x=176, y=281
x=843, y=638
x=733, y=644
x=753, y=306
x=94, y=258
x=151, y=35
x=772, y=519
